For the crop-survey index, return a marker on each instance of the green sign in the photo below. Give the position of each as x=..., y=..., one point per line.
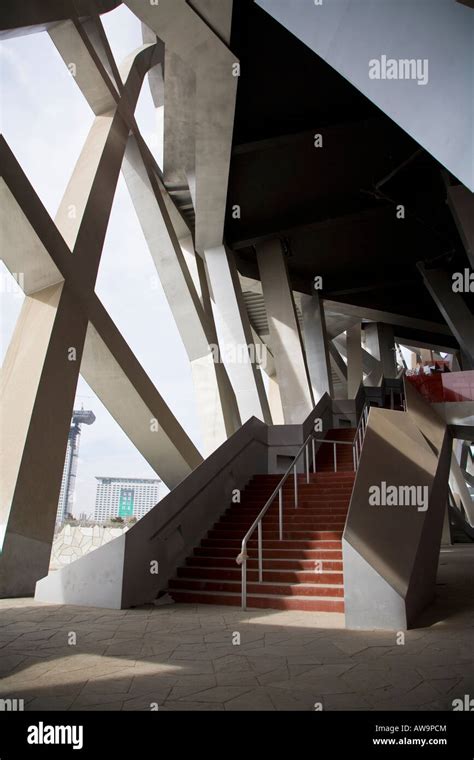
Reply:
x=126, y=502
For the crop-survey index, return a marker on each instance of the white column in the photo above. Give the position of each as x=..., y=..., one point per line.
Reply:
x=380, y=343
x=235, y=336
x=316, y=345
x=354, y=360
x=191, y=320
x=286, y=343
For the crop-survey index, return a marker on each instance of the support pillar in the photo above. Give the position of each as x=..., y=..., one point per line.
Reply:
x=191, y=320
x=286, y=343
x=354, y=360
x=235, y=336
x=39, y=379
x=454, y=310
x=60, y=263
x=339, y=366
x=316, y=345
x=380, y=343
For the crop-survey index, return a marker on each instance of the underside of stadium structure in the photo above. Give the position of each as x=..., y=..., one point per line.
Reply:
x=311, y=227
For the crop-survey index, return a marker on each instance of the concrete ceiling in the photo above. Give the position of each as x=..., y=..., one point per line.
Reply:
x=335, y=207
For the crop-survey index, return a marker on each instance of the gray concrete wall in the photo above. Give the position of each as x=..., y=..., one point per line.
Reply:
x=91, y=581
x=171, y=531
x=456, y=412
x=391, y=551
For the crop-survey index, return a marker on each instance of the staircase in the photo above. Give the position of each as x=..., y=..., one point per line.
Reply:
x=344, y=456
x=301, y=572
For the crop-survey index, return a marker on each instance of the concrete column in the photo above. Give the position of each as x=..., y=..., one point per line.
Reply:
x=369, y=363
x=316, y=345
x=354, y=360
x=187, y=35
x=273, y=390
x=338, y=363
x=73, y=44
x=26, y=229
x=229, y=401
x=274, y=400
x=287, y=346
x=39, y=379
x=453, y=308
x=235, y=336
x=179, y=115
x=380, y=343
x=60, y=263
x=191, y=320
x=118, y=379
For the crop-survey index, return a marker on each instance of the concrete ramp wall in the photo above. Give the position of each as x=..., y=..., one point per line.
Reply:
x=393, y=532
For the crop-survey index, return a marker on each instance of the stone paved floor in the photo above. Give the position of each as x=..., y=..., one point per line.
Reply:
x=182, y=657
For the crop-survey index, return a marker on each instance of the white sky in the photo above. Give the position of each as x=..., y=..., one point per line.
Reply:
x=45, y=121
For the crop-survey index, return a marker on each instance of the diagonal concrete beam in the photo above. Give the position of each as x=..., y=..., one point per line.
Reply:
x=369, y=362
x=338, y=363
x=236, y=336
x=38, y=384
x=354, y=360
x=216, y=13
x=85, y=65
x=316, y=345
x=377, y=315
x=30, y=17
x=21, y=195
x=192, y=322
x=25, y=254
x=380, y=343
x=187, y=35
x=56, y=319
x=287, y=345
x=453, y=308
x=118, y=379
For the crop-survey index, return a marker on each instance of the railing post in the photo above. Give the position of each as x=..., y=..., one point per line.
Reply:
x=280, y=510
x=314, y=455
x=260, y=553
x=244, y=582
x=354, y=457
x=296, y=486
x=335, y=457
x=306, y=454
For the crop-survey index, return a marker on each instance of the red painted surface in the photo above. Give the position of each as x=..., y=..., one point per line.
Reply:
x=458, y=386
x=445, y=386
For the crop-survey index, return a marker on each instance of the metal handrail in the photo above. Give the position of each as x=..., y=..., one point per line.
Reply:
x=356, y=442
x=257, y=523
x=242, y=557
x=360, y=434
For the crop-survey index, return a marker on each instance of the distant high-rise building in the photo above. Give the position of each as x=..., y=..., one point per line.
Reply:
x=68, y=481
x=125, y=497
